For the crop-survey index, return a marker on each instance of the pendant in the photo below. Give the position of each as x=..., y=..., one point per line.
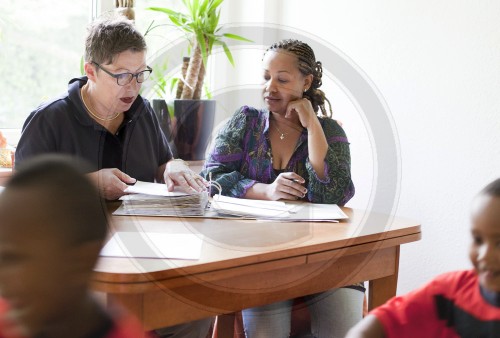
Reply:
x=282, y=136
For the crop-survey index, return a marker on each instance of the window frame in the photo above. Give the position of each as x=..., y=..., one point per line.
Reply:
x=96, y=8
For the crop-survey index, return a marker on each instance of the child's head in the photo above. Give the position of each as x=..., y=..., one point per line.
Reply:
x=52, y=225
x=485, y=248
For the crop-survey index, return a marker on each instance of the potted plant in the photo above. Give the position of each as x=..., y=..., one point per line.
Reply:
x=163, y=87
x=194, y=117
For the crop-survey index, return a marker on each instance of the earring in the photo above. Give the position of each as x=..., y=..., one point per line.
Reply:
x=305, y=90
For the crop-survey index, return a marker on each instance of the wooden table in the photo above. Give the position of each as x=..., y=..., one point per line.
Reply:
x=248, y=263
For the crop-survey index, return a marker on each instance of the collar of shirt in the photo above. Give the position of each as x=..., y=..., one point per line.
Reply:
x=80, y=112
x=491, y=297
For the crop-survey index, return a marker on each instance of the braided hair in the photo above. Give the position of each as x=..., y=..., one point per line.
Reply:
x=307, y=65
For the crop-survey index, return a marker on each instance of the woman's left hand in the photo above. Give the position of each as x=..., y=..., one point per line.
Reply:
x=177, y=173
x=304, y=110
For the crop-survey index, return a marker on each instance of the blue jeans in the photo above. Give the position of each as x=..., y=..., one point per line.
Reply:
x=194, y=329
x=333, y=313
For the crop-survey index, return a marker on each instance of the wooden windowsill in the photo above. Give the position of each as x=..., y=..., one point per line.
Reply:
x=5, y=173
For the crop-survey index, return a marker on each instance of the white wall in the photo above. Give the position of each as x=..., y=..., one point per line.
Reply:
x=437, y=65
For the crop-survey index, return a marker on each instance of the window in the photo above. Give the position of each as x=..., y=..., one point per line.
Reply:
x=41, y=47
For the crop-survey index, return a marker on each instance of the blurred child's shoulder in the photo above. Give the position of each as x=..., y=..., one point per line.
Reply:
x=451, y=282
x=6, y=325
x=126, y=325
x=456, y=277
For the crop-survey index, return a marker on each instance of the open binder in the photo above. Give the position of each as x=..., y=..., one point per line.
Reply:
x=153, y=199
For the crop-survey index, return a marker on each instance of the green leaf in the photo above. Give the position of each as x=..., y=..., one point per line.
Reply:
x=236, y=37
x=82, y=64
x=216, y=3
x=177, y=18
x=149, y=28
x=208, y=93
x=173, y=83
x=203, y=7
x=164, y=10
x=228, y=53
x=203, y=47
x=200, y=23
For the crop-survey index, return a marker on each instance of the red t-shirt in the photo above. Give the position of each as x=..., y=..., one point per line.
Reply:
x=451, y=305
x=123, y=325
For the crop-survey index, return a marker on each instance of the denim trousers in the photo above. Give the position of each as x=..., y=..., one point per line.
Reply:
x=332, y=312
x=194, y=329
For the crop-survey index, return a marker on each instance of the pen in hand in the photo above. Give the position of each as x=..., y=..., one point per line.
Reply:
x=301, y=183
x=289, y=185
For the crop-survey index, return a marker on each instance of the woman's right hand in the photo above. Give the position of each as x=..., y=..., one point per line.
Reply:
x=287, y=186
x=111, y=182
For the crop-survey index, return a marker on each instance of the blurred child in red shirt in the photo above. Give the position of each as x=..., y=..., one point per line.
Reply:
x=455, y=304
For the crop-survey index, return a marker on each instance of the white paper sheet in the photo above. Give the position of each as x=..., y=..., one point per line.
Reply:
x=315, y=212
x=247, y=207
x=278, y=210
x=153, y=245
x=273, y=205
x=156, y=189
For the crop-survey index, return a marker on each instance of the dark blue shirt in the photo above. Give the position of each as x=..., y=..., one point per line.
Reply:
x=63, y=125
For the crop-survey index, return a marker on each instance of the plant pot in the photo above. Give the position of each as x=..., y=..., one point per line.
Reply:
x=161, y=110
x=192, y=125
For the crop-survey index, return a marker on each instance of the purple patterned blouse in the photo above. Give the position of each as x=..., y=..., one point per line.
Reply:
x=241, y=156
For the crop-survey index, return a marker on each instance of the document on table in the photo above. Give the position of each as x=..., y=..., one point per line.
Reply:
x=277, y=210
x=250, y=208
x=153, y=199
x=300, y=212
x=153, y=245
x=154, y=189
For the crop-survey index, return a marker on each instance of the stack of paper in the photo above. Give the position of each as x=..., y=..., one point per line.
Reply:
x=153, y=199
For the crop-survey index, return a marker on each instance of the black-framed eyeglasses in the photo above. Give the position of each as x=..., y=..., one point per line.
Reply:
x=124, y=79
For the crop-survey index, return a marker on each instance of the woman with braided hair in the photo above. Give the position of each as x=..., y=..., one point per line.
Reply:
x=285, y=151
x=288, y=152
